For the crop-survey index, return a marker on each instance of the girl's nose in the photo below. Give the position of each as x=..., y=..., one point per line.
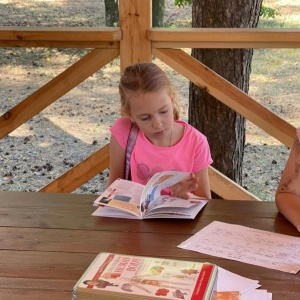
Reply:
x=156, y=123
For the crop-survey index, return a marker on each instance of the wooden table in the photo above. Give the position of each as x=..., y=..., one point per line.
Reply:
x=48, y=240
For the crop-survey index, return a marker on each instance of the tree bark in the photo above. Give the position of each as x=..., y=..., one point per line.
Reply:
x=224, y=128
x=158, y=9
x=111, y=13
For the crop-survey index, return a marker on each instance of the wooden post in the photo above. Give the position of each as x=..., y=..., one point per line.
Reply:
x=135, y=23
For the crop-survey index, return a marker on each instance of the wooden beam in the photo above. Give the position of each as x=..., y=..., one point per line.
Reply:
x=224, y=45
x=61, y=37
x=224, y=38
x=60, y=44
x=227, y=93
x=80, y=174
x=227, y=188
x=135, y=22
x=54, y=89
x=63, y=34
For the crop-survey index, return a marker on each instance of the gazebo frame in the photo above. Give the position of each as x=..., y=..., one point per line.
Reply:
x=136, y=41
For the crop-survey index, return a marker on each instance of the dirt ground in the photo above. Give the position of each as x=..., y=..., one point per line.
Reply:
x=78, y=124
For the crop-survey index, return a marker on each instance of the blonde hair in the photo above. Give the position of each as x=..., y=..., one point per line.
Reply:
x=145, y=78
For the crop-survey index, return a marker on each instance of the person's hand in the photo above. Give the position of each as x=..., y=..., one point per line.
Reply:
x=184, y=188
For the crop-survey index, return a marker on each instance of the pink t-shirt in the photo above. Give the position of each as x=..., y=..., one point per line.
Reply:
x=190, y=154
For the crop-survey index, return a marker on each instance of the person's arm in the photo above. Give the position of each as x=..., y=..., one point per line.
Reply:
x=287, y=195
x=197, y=184
x=117, y=161
x=203, y=189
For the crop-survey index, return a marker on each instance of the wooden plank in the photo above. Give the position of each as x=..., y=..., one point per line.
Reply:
x=81, y=173
x=64, y=218
x=95, y=241
x=227, y=93
x=54, y=89
x=225, y=45
x=61, y=37
x=37, y=284
x=87, y=241
x=282, y=35
x=135, y=21
x=73, y=211
x=75, y=34
x=36, y=294
x=227, y=188
x=61, y=44
x=35, y=200
x=46, y=265
x=224, y=38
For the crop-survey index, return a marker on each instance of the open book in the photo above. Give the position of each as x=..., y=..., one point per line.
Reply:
x=118, y=276
x=131, y=200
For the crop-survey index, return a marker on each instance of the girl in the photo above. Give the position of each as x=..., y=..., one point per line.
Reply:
x=287, y=196
x=163, y=142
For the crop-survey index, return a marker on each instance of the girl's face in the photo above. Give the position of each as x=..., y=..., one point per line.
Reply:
x=153, y=113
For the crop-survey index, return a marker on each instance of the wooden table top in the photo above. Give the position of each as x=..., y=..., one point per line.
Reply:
x=48, y=240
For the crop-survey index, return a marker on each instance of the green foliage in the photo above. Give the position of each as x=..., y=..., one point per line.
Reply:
x=181, y=3
x=268, y=12
x=265, y=12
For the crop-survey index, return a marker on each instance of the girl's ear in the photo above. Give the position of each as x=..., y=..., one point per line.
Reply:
x=131, y=118
x=127, y=114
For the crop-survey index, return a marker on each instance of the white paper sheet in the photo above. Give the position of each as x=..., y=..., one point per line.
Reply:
x=228, y=281
x=257, y=295
x=248, y=245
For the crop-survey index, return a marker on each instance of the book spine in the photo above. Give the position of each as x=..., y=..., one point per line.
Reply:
x=203, y=284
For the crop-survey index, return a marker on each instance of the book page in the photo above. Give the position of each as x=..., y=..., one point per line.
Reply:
x=123, y=195
x=165, y=201
x=151, y=196
x=105, y=211
x=248, y=245
x=174, y=207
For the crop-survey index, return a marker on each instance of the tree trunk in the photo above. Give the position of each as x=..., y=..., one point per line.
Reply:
x=224, y=128
x=158, y=9
x=111, y=13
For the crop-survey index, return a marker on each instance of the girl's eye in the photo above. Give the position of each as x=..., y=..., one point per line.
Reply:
x=145, y=119
x=164, y=111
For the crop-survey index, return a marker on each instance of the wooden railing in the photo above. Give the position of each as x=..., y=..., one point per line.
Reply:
x=136, y=41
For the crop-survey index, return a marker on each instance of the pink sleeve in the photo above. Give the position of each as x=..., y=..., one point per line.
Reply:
x=120, y=130
x=202, y=158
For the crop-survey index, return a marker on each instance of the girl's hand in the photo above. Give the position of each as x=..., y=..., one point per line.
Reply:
x=184, y=188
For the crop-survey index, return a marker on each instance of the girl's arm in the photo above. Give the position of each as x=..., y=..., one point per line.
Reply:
x=117, y=161
x=287, y=195
x=203, y=189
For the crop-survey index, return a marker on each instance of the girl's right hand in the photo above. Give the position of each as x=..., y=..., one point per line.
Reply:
x=185, y=188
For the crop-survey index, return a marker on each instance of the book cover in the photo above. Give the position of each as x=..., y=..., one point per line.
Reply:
x=234, y=295
x=117, y=276
x=127, y=199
